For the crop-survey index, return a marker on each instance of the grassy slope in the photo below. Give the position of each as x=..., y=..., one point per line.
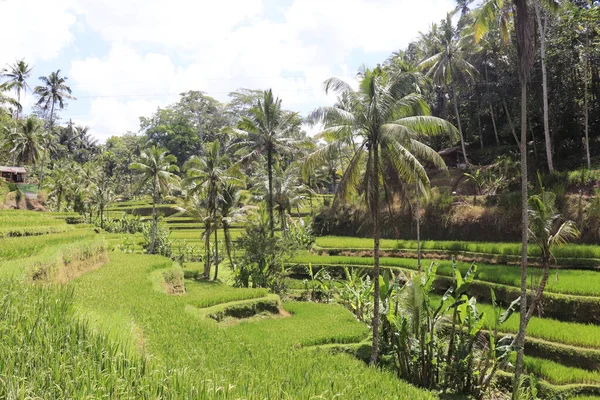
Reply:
x=578, y=282
x=250, y=360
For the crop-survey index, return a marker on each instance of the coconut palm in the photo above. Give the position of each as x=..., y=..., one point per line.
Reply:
x=231, y=211
x=156, y=167
x=268, y=133
x=54, y=91
x=450, y=65
x=26, y=141
x=386, y=124
x=7, y=100
x=209, y=174
x=58, y=183
x=17, y=75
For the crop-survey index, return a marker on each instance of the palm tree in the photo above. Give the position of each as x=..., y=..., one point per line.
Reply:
x=209, y=175
x=58, y=184
x=386, y=122
x=17, y=75
x=267, y=133
x=449, y=65
x=53, y=91
x=231, y=212
x=4, y=99
x=27, y=141
x=156, y=167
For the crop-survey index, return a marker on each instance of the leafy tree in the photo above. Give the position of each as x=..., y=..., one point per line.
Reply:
x=449, y=65
x=386, y=122
x=17, y=75
x=267, y=132
x=208, y=175
x=27, y=141
x=156, y=168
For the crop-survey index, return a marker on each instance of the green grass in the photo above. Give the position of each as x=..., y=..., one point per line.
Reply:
x=559, y=374
x=511, y=249
x=575, y=282
x=570, y=333
x=48, y=352
x=21, y=247
x=254, y=360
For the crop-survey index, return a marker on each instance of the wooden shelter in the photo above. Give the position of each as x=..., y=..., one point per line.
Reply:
x=453, y=157
x=13, y=174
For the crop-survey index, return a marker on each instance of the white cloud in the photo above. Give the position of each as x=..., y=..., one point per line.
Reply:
x=217, y=47
x=34, y=30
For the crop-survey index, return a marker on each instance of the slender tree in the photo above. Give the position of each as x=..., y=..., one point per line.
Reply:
x=156, y=168
x=268, y=132
x=450, y=65
x=17, y=75
x=53, y=91
x=209, y=174
x=386, y=121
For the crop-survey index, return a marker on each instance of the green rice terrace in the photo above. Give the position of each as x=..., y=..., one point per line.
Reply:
x=132, y=325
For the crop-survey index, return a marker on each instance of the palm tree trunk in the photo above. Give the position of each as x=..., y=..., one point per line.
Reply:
x=216, y=252
x=460, y=132
x=418, y=220
x=376, y=244
x=586, y=121
x=510, y=122
x=270, y=194
x=206, y=272
x=227, y=242
x=520, y=339
x=50, y=124
x=487, y=86
x=542, y=30
x=480, y=130
x=154, y=222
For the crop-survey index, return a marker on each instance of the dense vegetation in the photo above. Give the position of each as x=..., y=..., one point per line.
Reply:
x=226, y=200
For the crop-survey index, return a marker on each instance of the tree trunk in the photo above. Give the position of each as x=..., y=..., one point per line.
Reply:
x=480, y=130
x=491, y=108
x=520, y=339
x=510, y=122
x=542, y=30
x=50, y=125
x=586, y=119
x=227, y=237
x=270, y=194
x=376, y=243
x=418, y=220
x=460, y=132
x=154, y=220
x=216, y=251
x=206, y=272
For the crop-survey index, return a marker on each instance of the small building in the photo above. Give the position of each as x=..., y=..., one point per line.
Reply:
x=13, y=174
x=453, y=157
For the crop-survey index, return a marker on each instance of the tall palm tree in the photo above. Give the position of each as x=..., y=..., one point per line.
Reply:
x=231, y=211
x=450, y=65
x=27, y=141
x=7, y=100
x=53, y=91
x=209, y=175
x=17, y=75
x=267, y=133
x=387, y=123
x=156, y=167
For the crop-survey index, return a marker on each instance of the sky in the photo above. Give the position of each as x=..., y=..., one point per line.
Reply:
x=126, y=58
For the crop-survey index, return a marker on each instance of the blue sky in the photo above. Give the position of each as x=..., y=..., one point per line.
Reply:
x=125, y=58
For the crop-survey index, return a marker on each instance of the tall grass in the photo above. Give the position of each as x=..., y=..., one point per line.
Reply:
x=576, y=282
x=511, y=249
x=559, y=374
x=262, y=359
